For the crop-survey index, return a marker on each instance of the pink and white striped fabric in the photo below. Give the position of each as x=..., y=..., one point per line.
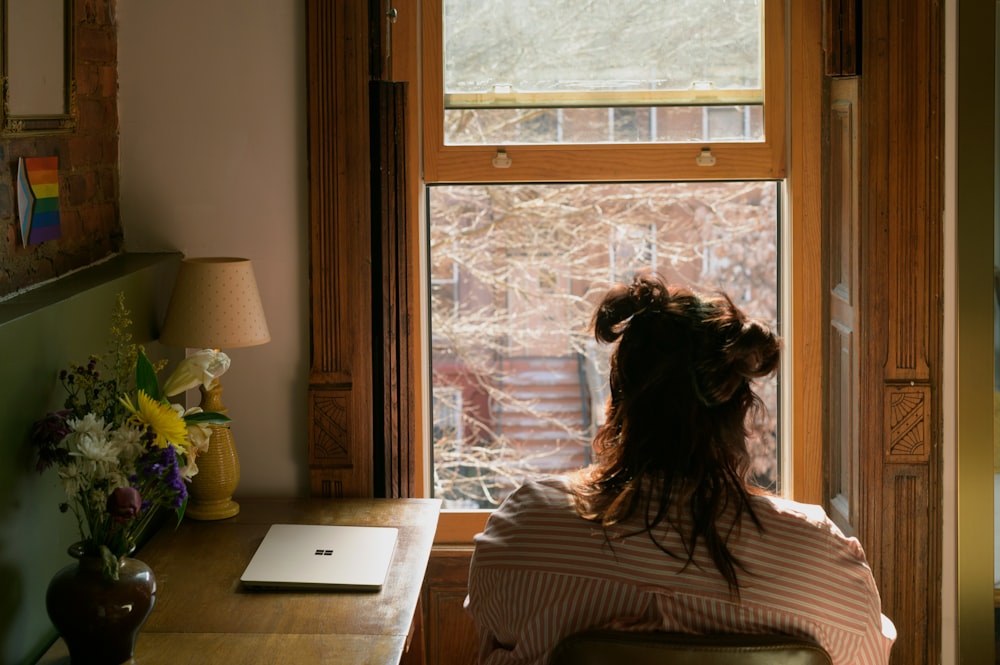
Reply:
x=540, y=572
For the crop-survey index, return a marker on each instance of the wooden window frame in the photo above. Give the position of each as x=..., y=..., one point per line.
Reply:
x=750, y=160
x=794, y=67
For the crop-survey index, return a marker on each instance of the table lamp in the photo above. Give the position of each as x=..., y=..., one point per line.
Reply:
x=215, y=304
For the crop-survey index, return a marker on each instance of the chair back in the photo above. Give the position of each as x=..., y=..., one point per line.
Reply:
x=613, y=647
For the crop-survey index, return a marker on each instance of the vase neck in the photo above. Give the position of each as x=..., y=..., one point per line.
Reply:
x=211, y=398
x=89, y=555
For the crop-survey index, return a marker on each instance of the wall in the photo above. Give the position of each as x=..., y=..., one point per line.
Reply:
x=41, y=333
x=88, y=167
x=213, y=162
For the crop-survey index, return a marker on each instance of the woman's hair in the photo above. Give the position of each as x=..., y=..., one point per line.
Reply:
x=675, y=430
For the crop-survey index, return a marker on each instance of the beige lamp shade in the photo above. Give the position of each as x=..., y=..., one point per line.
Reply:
x=215, y=305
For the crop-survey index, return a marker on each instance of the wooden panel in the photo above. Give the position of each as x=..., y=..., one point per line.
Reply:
x=413, y=649
x=450, y=635
x=840, y=37
x=842, y=389
x=907, y=419
x=906, y=523
x=393, y=295
x=843, y=453
x=334, y=455
x=337, y=64
x=900, y=300
x=809, y=322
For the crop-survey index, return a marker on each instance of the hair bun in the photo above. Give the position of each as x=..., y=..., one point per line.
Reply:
x=756, y=350
x=622, y=302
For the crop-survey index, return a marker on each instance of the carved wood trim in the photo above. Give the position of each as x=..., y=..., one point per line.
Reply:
x=900, y=316
x=908, y=421
x=329, y=413
x=337, y=62
x=323, y=26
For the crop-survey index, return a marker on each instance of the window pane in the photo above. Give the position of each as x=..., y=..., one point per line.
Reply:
x=595, y=46
x=520, y=71
x=518, y=385
x=603, y=125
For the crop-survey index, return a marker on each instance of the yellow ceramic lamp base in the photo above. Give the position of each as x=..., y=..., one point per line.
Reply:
x=211, y=489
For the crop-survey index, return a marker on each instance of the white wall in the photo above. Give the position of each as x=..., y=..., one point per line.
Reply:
x=212, y=106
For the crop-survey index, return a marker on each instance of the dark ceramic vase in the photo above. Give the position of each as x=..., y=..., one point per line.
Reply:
x=99, y=618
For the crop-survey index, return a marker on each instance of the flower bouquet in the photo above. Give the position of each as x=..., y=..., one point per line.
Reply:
x=121, y=449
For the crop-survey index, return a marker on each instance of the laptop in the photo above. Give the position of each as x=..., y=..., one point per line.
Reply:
x=321, y=557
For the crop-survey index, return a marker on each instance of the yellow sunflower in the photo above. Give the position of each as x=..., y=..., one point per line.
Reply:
x=160, y=419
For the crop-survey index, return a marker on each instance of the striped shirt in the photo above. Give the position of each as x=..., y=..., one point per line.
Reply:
x=541, y=572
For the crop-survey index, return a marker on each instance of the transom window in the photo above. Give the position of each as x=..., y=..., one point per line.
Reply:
x=521, y=71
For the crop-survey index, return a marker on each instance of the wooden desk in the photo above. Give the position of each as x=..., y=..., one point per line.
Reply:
x=204, y=615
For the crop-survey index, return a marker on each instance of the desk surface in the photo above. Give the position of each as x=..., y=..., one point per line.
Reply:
x=204, y=615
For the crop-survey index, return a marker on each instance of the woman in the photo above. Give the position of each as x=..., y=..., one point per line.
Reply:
x=663, y=531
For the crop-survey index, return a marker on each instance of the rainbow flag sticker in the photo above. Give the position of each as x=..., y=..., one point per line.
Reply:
x=38, y=198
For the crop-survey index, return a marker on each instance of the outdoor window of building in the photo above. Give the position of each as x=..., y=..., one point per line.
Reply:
x=566, y=146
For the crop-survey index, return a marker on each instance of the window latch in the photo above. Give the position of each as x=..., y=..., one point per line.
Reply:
x=501, y=160
x=705, y=158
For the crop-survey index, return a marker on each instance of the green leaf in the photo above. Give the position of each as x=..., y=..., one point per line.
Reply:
x=145, y=376
x=207, y=417
x=109, y=563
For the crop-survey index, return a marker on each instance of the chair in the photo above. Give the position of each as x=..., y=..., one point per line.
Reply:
x=612, y=647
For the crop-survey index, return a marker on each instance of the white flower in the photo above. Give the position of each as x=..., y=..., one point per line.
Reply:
x=116, y=478
x=201, y=367
x=128, y=439
x=199, y=437
x=99, y=449
x=71, y=479
x=89, y=424
x=199, y=434
x=189, y=470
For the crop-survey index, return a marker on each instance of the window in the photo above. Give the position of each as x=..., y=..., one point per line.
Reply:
x=626, y=89
x=604, y=70
x=534, y=258
x=555, y=165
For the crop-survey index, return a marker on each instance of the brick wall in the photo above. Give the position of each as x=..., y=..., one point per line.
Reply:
x=88, y=165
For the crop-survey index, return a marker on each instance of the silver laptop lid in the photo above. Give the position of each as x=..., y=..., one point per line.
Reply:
x=312, y=556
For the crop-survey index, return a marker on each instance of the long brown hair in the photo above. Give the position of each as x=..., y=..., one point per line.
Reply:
x=674, y=438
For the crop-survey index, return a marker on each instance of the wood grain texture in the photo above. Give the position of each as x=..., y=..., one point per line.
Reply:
x=900, y=323
x=204, y=615
x=337, y=62
x=451, y=637
x=807, y=283
x=394, y=296
x=254, y=649
x=841, y=265
x=840, y=38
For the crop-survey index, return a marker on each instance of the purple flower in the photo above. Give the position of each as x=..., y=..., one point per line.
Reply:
x=47, y=434
x=158, y=470
x=124, y=504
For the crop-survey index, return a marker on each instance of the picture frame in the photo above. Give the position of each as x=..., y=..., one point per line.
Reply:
x=37, y=76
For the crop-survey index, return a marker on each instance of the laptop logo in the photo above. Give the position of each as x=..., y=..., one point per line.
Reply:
x=324, y=552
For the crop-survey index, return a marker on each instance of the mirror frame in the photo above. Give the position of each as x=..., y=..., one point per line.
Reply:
x=44, y=123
